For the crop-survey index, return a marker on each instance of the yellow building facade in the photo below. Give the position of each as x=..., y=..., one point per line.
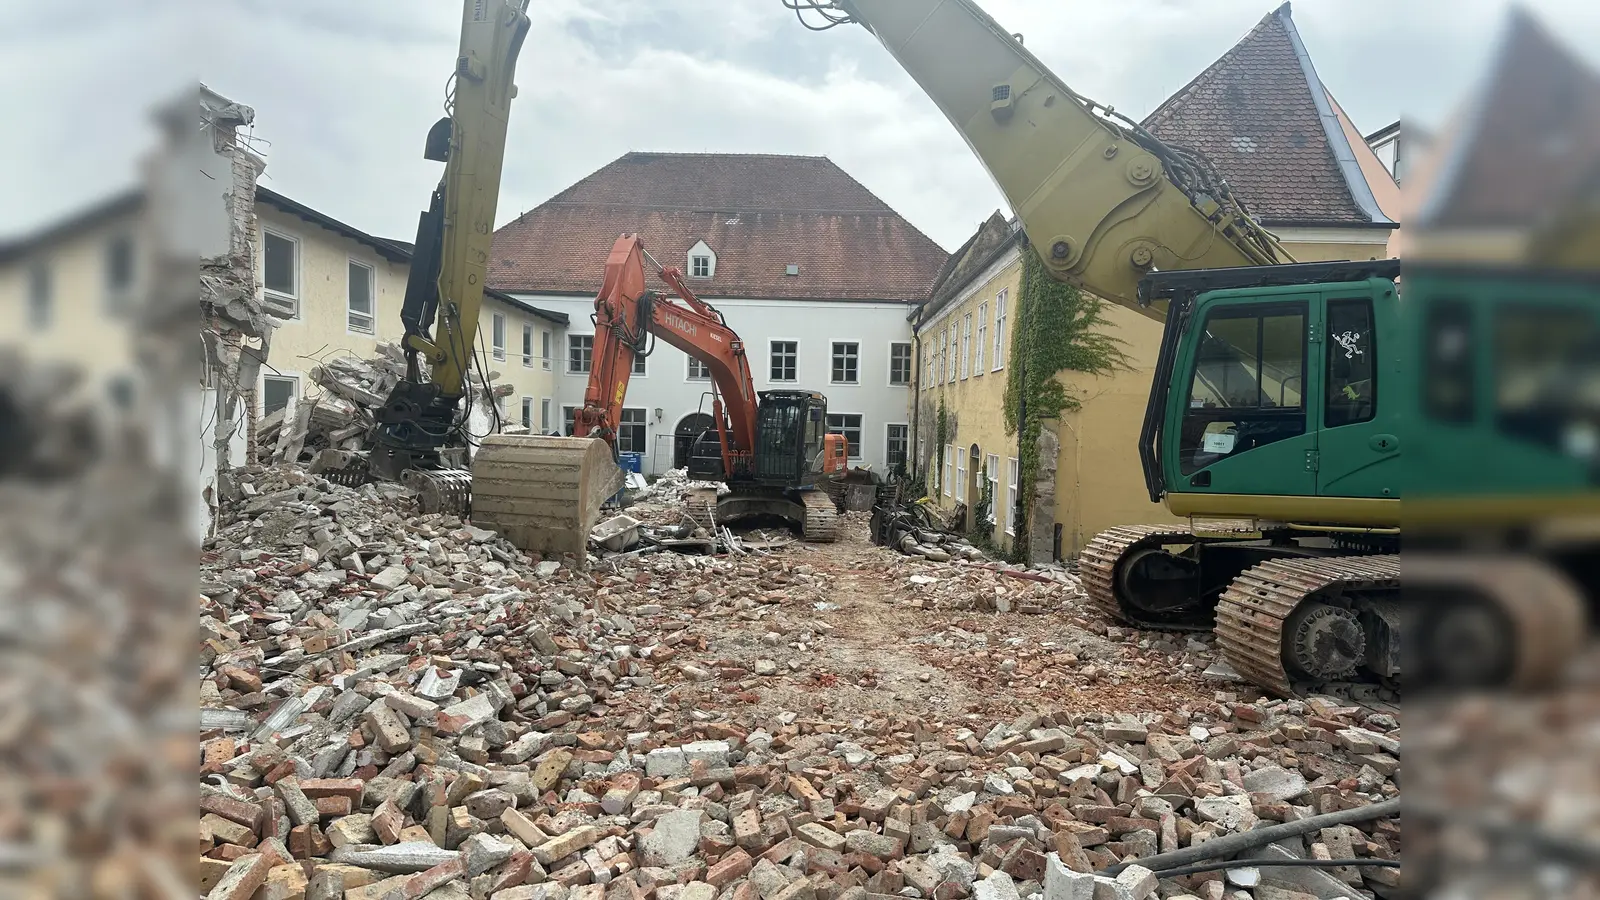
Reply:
x=67, y=292
x=338, y=292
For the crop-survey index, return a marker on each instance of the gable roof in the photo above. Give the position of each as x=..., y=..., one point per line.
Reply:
x=993, y=238
x=759, y=213
x=125, y=203
x=385, y=249
x=1263, y=118
x=1529, y=141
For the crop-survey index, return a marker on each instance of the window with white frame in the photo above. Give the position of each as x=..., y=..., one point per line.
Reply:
x=544, y=348
x=700, y=266
x=899, y=439
x=119, y=272
x=280, y=271
x=580, y=354
x=544, y=415
x=527, y=346
x=41, y=295
x=1000, y=330
x=785, y=360
x=955, y=353
x=849, y=425
x=991, y=471
x=846, y=361
x=930, y=363
x=278, y=392
x=982, y=337
x=1013, y=475
x=966, y=345
x=949, y=477
x=569, y=418
x=499, y=336
x=638, y=363
x=120, y=390
x=900, y=363
x=527, y=413
x=358, y=294
x=698, y=371
x=961, y=476
x=943, y=354
x=630, y=431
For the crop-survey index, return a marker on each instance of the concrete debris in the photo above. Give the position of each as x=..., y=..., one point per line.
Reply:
x=469, y=722
x=340, y=417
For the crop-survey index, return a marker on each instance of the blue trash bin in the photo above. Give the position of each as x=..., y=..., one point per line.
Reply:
x=631, y=462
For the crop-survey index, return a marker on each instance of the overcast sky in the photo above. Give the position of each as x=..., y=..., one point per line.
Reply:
x=345, y=90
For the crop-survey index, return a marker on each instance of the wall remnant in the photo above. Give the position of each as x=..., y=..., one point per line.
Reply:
x=236, y=328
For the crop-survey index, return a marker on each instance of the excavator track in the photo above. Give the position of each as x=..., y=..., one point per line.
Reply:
x=813, y=511
x=821, y=518
x=1253, y=612
x=1097, y=566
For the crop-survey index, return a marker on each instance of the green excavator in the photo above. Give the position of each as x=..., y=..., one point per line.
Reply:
x=1291, y=402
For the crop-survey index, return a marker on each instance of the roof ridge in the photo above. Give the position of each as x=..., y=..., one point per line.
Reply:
x=722, y=210
x=1344, y=157
x=762, y=153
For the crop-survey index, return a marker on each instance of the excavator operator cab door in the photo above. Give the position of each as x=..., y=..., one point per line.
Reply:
x=1237, y=414
x=790, y=427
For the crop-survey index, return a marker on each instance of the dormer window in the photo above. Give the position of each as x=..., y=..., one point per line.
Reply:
x=702, y=262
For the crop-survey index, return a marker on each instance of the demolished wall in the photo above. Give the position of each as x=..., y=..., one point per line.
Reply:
x=236, y=330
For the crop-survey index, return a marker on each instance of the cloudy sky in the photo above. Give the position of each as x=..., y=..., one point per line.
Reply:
x=344, y=90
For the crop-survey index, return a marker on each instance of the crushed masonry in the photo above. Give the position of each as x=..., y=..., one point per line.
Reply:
x=399, y=705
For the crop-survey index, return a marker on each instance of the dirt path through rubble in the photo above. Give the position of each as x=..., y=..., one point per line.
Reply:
x=865, y=652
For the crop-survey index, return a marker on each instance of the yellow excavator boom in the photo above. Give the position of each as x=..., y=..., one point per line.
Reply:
x=480, y=107
x=1101, y=200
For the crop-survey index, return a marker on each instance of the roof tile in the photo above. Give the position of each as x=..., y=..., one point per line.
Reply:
x=759, y=213
x=1252, y=114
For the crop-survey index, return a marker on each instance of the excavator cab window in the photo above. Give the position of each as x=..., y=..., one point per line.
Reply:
x=1246, y=390
x=1352, y=382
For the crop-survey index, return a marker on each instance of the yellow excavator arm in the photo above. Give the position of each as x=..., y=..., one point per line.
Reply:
x=1101, y=199
x=444, y=289
x=472, y=142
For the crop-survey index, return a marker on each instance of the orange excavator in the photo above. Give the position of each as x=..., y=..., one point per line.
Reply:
x=771, y=448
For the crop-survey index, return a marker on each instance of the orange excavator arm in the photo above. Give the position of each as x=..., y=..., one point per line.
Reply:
x=627, y=313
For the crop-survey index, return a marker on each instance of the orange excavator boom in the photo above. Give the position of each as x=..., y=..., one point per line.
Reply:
x=627, y=314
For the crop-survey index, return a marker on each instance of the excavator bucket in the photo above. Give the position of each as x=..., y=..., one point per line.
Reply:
x=542, y=493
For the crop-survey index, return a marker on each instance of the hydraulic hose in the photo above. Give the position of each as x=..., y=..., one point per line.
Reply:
x=1233, y=844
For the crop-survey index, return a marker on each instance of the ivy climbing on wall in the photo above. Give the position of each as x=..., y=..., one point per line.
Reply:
x=941, y=436
x=1056, y=328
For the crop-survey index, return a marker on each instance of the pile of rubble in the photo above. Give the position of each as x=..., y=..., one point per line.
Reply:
x=999, y=588
x=341, y=415
x=399, y=706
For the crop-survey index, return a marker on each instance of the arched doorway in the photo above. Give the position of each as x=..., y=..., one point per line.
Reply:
x=689, y=428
